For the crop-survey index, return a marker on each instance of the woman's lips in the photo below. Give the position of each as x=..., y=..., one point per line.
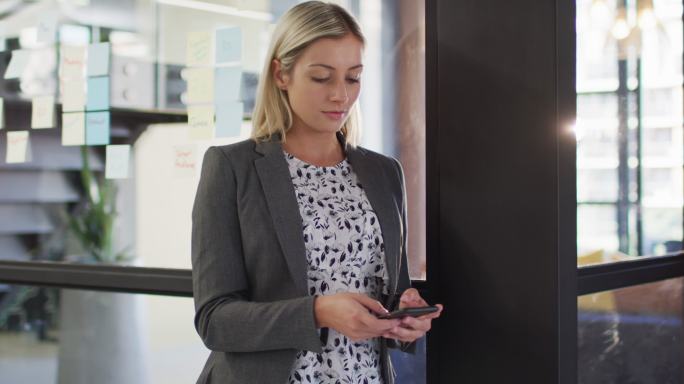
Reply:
x=335, y=115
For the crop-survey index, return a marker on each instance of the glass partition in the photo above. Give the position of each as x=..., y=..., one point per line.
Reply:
x=125, y=87
x=629, y=129
x=51, y=335
x=631, y=335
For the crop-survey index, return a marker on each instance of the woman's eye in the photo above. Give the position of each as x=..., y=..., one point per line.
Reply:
x=356, y=80
x=318, y=80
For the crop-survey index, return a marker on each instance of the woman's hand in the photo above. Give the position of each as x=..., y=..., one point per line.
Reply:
x=348, y=313
x=412, y=328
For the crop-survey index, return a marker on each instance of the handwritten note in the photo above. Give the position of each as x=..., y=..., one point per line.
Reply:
x=18, y=63
x=184, y=160
x=73, y=128
x=116, y=166
x=229, y=120
x=97, y=128
x=228, y=45
x=199, y=49
x=227, y=85
x=98, y=59
x=72, y=62
x=73, y=95
x=201, y=122
x=17, y=147
x=43, y=112
x=98, y=93
x=200, y=85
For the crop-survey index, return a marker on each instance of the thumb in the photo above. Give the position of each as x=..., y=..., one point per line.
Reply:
x=371, y=304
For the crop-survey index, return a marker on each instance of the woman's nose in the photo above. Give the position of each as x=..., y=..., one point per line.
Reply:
x=339, y=93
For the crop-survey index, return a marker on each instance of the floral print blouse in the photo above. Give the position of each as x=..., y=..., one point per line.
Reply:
x=345, y=253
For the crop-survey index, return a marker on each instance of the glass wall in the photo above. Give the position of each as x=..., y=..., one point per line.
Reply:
x=632, y=335
x=629, y=129
x=128, y=82
x=51, y=335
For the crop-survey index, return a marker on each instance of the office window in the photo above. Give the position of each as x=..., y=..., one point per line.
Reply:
x=139, y=98
x=629, y=129
x=631, y=335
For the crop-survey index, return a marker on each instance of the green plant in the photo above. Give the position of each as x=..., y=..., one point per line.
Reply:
x=93, y=223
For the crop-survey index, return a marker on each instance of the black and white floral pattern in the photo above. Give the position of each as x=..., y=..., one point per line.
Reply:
x=345, y=253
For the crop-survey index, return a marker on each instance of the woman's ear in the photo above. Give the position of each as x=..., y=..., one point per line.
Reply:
x=281, y=79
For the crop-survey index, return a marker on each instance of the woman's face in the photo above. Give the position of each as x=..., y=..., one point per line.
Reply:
x=323, y=84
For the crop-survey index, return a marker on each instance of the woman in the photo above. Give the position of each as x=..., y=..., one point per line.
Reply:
x=299, y=235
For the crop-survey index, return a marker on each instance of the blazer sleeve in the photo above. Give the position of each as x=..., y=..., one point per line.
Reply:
x=225, y=319
x=404, y=281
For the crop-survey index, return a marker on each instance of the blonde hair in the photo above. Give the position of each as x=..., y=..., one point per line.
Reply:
x=300, y=26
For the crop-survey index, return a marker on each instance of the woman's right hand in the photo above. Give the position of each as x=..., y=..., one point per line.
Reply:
x=348, y=313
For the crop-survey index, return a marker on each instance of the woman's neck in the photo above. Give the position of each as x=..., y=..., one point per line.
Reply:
x=317, y=149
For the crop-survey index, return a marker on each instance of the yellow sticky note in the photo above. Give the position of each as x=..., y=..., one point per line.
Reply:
x=201, y=122
x=43, y=112
x=117, y=161
x=73, y=128
x=73, y=95
x=200, y=49
x=72, y=64
x=17, y=147
x=200, y=85
x=184, y=160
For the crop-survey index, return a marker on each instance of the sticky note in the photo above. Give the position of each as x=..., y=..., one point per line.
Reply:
x=72, y=62
x=98, y=59
x=184, y=160
x=17, y=64
x=200, y=85
x=47, y=30
x=228, y=120
x=201, y=121
x=43, y=112
x=199, y=49
x=73, y=95
x=116, y=166
x=228, y=45
x=98, y=93
x=73, y=128
x=97, y=128
x=227, y=84
x=17, y=147
x=2, y=113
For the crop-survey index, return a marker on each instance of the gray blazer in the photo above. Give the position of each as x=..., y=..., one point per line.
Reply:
x=249, y=270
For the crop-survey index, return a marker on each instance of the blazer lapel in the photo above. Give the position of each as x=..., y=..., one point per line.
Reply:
x=375, y=184
x=274, y=175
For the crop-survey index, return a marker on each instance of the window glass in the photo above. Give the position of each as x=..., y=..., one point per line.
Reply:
x=50, y=335
x=132, y=73
x=629, y=129
x=631, y=335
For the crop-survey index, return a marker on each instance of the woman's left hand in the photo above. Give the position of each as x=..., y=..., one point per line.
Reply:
x=413, y=328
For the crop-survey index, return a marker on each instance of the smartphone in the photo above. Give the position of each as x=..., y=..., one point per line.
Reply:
x=414, y=312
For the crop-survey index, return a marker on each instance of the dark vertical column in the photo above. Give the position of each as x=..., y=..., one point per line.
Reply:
x=501, y=190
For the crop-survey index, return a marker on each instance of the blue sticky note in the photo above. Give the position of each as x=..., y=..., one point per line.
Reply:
x=227, y=82
x=98, y=93
x=228, y=120
x=98, y=59
x=97, y=128
x=228, y=45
